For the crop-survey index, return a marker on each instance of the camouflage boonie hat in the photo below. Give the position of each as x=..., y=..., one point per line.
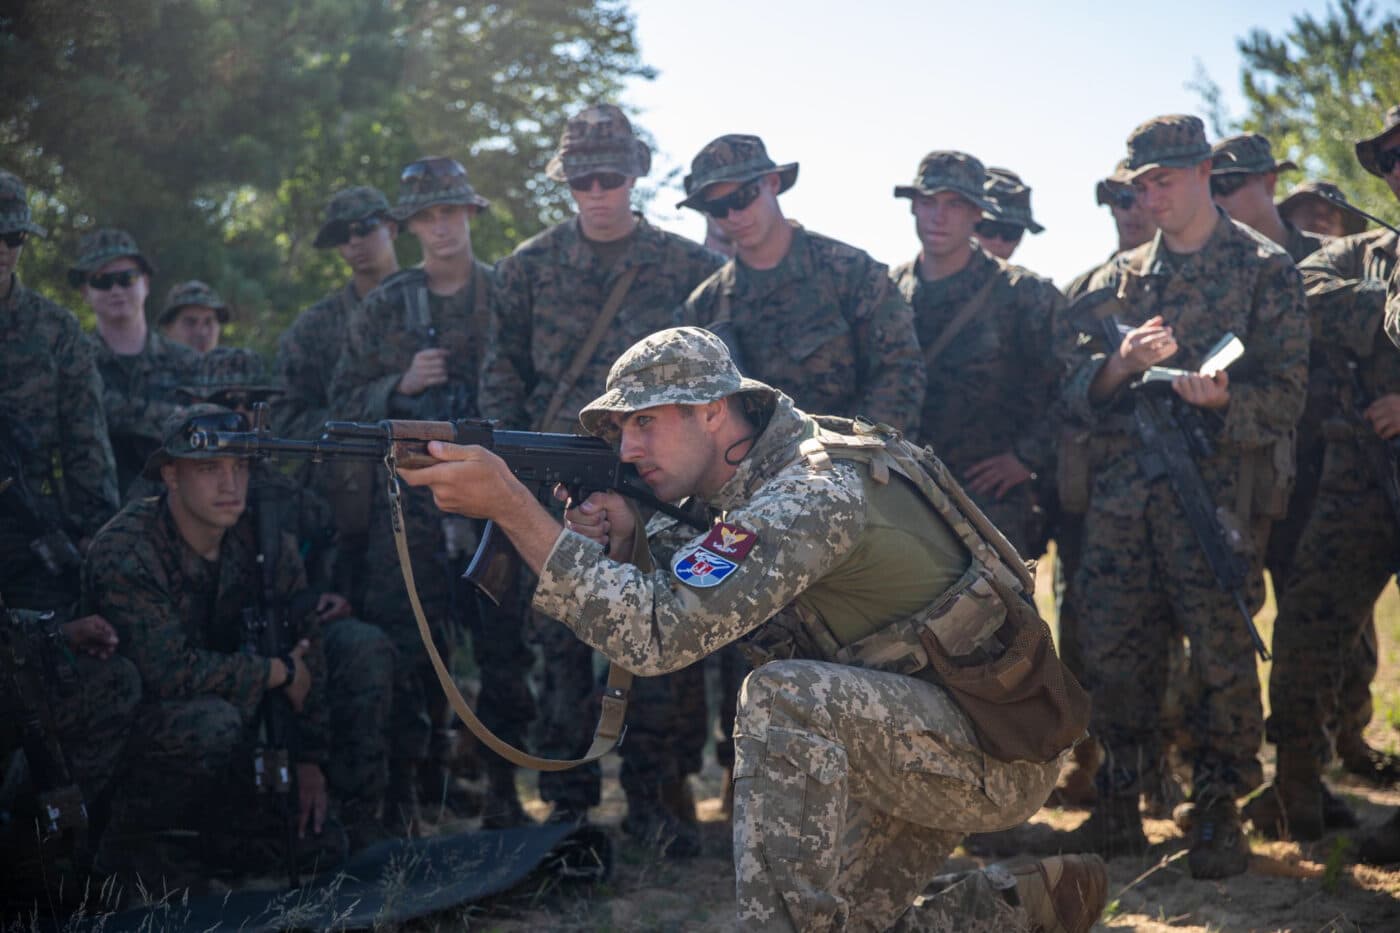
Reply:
x=14, y=207
x=1177, y=140
x=1366, y=149
x=737, y=158
x=1246, y=154
x=100, y=247
x=600, y=139
x=193, y=292
x=176, y=430
x=957, y=172
x=1118, y=181
x=230, y=369
x=1011, y=200
x=347, y=205
x=677, y=366
x=1325, y=191
x=434, y=180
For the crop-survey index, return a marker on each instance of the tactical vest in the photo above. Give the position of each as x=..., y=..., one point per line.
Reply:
x=982, y=639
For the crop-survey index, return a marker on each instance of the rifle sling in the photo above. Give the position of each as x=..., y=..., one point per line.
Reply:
x=974, y=304
x=586, y=349
x=614, y=705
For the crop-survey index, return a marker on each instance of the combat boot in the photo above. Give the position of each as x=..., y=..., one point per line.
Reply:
x=1216, y=847
x=1063, y=894
x=1371, y=764
x=1114, y=828
x=653, y=826
x=1382, y=845
x=1290, y=807
x=403, y=815
x=501, y=808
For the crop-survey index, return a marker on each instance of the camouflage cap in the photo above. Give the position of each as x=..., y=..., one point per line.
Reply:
x=434, y=180
x=14, y=207
x=193, y=292
x=1352, y=223
x=1177, y=140
x=733, y=158
x=1011, y=200
x=1119, y=180
x=677, y=366
x=1246, y=154
x=347, y=205
x=230, y=369
x=177, y=428
x=600, y=139
x=1366, y=149
x=100, y=247
x=945, y=170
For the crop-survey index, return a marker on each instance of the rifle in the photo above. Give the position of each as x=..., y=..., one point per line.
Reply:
x=1171, y=436
x=23, y=667
x=1382, y=456
x=265, y=630
x=36, y=517
x=1340, y=200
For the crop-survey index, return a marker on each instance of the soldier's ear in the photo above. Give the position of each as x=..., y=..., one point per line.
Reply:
x=170, y=475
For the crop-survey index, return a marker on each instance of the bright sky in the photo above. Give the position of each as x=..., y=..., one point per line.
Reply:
x=858, y=92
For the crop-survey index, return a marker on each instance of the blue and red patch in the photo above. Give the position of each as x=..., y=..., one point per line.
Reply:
x=715, y=558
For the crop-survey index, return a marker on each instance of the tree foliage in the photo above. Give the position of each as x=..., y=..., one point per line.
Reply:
x=215, y=130
x=1318, y=88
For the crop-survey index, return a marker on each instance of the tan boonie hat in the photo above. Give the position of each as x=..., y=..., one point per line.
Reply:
x=230, y=369
x=176, y=430
x=434, y=180
x=737, y=158
x=1119, y=180
x=944, y=170
x=1246, y=154
x=14, y=207
x=193, y=292
x=1177, y=140
x=1366, y=149
x=100, y=247
x=1325, y=191
x=677, y=366
x=600, y=139
x=1011, y=200
x=346, y=205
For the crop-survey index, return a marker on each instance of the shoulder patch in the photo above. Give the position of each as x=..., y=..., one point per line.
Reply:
x=698, y=567
x=730, y=541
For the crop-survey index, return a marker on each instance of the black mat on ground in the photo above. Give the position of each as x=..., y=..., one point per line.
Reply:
x=391, y=882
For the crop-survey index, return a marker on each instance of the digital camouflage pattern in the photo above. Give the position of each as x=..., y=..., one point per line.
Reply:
x=435, y=187
x=600, y=139
x=1173, y=141
x=989, y=392
x=139, y=393
x=552, y=289
x=1349, y=546
x=735, y=157
x=346, y=205
x=307, y=354
x=826, y=326
x=100, y=247
x=944, y=170
x=1246, y=154
x=1011, y=198
x=1140, y=559
x=193, y=292
x=14, y=206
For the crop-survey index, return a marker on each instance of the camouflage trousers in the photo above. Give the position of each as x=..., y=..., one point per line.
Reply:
x=94, y=717
x=1347, y=554
x=360, y=664
x=851, y=788
x=1143, y=582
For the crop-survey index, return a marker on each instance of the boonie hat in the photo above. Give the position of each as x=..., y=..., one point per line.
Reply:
x=733, y=158
x=14, y=207
x=1366, y=149
x=944, y=170
x=100, y=247
x=193, y=292
x=177, y=428
x=600, y=139
x=346, y=205
x=434, y=180
x=1011, y=200
x=1352, y=223
x=1246, y=154
x=1177, y=140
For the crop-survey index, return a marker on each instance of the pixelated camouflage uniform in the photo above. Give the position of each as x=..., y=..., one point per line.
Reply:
x=1350, y=545
x=51, y=396
x=989, y=391
x=828, y=832
x=552, y=288
x=1142, y=576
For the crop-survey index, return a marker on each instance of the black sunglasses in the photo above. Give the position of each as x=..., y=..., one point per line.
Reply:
x=1123, y=198
x=14, y=239
x=105, y=281
x=418, y=176
x=1387, y=159
x=1000, y=230
x=609, y=181
x=1222, y=186
x=736, y=200
x=343, y=233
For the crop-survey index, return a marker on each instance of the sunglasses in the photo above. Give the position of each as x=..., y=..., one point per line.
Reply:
x=1387, y=159
x=1222, y=186
x=1123, y=199
x=343, y=233
x=736, y=200
x=14, y=239
x=105, y=281
x=608, y=181
x=228, y=421
x=1000, y=230
x=418, y=176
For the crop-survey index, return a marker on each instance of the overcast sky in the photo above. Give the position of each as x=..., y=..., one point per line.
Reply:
x=858, y=92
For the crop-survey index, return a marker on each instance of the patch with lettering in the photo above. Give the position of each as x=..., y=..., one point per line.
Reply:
x=730, y=541
x=699, y=567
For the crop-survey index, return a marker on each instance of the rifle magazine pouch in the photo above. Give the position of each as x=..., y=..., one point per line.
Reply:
x=993, y=653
